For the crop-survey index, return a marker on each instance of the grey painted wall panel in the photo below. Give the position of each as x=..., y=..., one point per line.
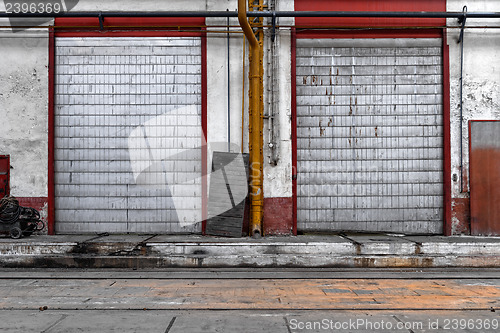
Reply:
x=369, y=135
x=485, y=134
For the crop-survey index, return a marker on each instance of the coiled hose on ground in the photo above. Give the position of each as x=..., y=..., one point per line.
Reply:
x=9, y=210
x=18, y=221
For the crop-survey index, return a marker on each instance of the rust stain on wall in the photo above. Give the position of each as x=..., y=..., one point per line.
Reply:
x=460, y=216
x=278, y=216
x=321, y=129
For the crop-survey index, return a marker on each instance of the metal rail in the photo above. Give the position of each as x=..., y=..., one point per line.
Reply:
x=271, y=14
x=375, y=14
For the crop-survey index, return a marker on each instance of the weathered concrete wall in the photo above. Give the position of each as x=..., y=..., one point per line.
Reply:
x=481, y=91
x=278, y=178
x=23, y=109
x=218, y=82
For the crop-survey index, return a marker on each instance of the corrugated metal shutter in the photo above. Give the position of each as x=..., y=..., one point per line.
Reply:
x=369, y=135
x=127, y=133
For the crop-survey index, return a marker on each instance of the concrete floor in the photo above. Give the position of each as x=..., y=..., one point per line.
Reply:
x=246, y=321
x=248, y=300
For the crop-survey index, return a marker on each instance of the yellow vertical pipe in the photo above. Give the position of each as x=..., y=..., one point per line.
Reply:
x=255, y=125
x=243, y=98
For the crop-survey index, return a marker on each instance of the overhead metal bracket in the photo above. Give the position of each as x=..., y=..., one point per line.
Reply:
x=273, y=29
x=462, y=19
x=101, y=21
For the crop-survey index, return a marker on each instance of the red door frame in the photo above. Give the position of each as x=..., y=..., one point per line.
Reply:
x=123, y=27
x=446, y=137
x=51, y=212
x=301, y=31
x=293, y=72
x=5, y=175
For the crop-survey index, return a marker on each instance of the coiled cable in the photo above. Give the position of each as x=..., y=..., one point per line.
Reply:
x=9, y=210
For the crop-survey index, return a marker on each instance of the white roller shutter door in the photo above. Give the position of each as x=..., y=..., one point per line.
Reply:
x=370, y=135
x=127, y=133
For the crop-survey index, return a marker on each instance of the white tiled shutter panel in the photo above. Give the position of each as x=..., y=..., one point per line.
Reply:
x=370, y=135
x=128, y=135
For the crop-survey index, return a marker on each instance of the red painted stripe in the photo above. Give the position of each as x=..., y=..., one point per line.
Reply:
x=5, y=176
x=129, y=27
x=278, y=216
x=77, y=22
x=446, y=137
x=383, y=33
x=472, y=226
x=294, y=130
x=127, y=34
x=39, y=203
x=51, y=174
x=370, y=6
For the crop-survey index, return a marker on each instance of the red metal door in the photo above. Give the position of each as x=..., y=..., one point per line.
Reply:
x=485, y=177
x=4, y=175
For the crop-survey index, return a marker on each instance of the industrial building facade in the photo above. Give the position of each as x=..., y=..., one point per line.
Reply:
x=367, y=121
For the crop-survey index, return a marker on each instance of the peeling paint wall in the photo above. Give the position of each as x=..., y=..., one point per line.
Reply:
x=481, y=91
x=278, y=178
x=218, y=82
x=23, y=110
